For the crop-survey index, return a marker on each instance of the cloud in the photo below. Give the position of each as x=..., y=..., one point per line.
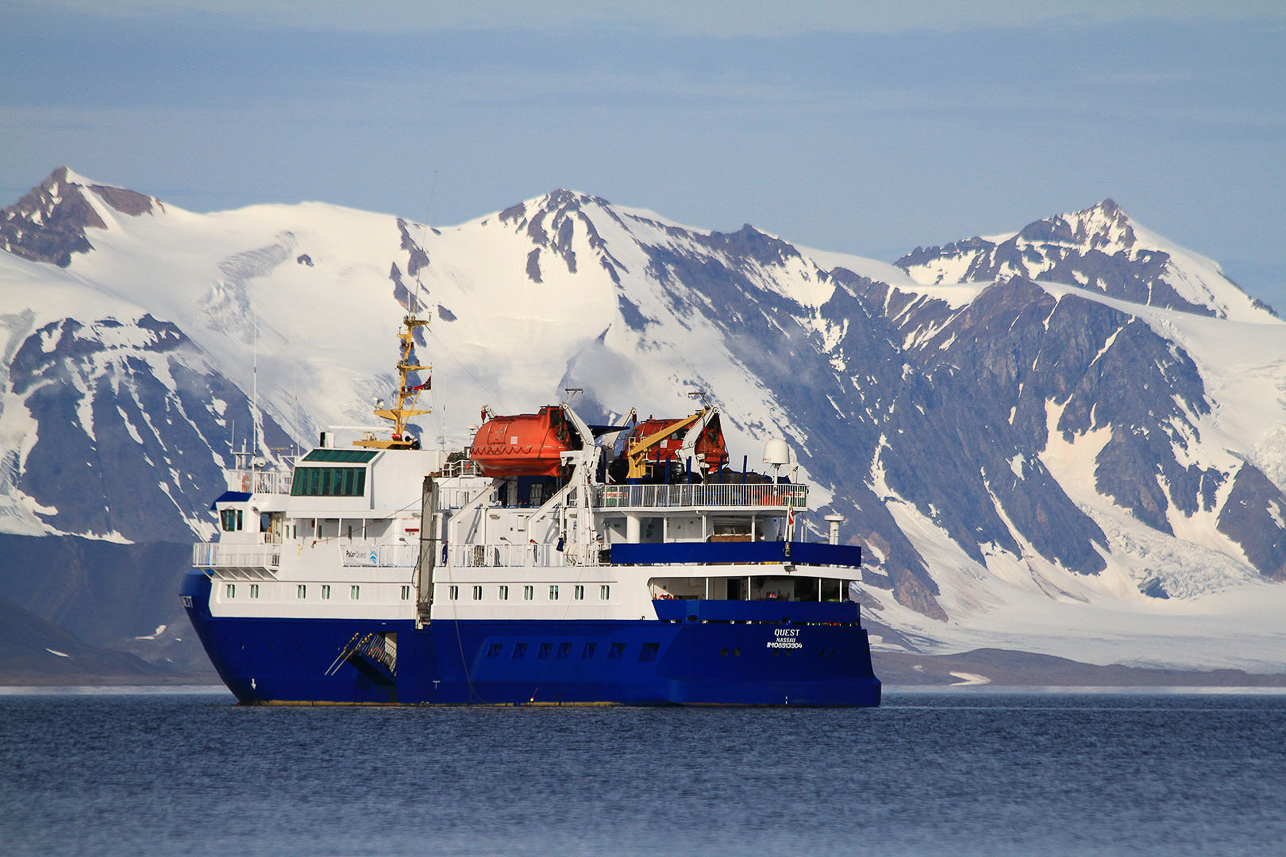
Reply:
x=712, y=17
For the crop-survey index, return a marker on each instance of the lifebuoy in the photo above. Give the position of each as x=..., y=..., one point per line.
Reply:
x=245, y=482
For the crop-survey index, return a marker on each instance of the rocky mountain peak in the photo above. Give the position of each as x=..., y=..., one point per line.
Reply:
x=1104, y=227
x=48, y=224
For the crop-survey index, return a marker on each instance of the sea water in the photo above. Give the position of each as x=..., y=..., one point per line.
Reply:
x=965, y=773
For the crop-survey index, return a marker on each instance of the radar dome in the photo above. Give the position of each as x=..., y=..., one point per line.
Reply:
x=776, y=452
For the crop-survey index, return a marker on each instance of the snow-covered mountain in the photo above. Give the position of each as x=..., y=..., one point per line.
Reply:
x=1069, y=440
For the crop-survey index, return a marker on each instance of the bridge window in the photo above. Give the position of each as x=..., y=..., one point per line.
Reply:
x=231, y=519
x=328, y=482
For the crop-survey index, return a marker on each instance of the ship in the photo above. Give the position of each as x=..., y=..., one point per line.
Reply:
x=548, y=562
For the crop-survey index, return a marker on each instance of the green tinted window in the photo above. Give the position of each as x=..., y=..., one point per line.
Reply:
x=328, y=482
x=353, y=456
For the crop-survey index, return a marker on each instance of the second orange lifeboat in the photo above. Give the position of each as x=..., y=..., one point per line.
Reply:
x=655, y=445
x=525, y=444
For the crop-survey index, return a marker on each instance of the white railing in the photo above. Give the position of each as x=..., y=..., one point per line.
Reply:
x=662, y=496
x=461, y=467
x=355, y=554
x=458, y=498
x=259, y=481
x=217, y=555
x=523, y=556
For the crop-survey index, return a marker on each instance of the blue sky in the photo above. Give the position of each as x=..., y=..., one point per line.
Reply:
x=863, y=128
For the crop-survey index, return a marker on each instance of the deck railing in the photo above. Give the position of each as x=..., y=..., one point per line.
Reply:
x=669, y=496
x=217, y=555
x=525, y=556
x=354, y=554
x=259, y=481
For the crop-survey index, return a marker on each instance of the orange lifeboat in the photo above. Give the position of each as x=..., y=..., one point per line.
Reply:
x=524, y=445
x=660, y=440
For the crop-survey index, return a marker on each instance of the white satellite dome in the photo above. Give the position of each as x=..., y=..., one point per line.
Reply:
x=776, y=452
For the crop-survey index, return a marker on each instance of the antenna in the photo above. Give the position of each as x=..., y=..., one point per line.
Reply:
x=424, y=239
x=254, y=417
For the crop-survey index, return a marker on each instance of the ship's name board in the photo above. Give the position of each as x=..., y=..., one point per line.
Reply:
x=785, y=638
x=361, y=556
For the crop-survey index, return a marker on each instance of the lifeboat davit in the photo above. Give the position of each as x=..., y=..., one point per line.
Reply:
x=710, y=443
x=524, y=445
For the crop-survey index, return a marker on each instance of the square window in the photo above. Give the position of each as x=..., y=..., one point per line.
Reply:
x=564, y=650
x=553, y=592
x=301, y=591
x=616, y=652
x=325, y=591
x=355, y=592
x=477, y=593
x=528, y=593
x=406, y=593
x=230, y=590
x=588, y=652
x=648, y=652
x=604, y=592
x=453, y=593
x=503, y=593
x=493, y=651
x=542, y=654
x=579, y=593
x=520, y=650
x=254, y=590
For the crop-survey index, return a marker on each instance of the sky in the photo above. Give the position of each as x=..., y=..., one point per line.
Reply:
x=847, y=126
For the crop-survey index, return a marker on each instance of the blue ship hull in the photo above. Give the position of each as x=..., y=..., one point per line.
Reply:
x=697, y=653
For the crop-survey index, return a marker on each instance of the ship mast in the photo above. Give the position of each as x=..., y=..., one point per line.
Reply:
x=407, y=394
